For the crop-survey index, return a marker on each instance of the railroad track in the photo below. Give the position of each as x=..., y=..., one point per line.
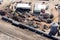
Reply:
x=19, y=33
x=21, y=25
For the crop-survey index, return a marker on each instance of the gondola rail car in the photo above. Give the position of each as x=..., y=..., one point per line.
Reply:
x=30, y=28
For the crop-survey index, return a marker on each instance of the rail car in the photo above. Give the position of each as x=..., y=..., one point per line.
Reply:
x=28, y=27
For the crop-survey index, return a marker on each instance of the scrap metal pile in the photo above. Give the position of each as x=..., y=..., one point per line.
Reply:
x=28, y=18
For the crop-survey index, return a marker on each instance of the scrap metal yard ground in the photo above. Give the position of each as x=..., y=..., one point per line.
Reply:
x=10, y=32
